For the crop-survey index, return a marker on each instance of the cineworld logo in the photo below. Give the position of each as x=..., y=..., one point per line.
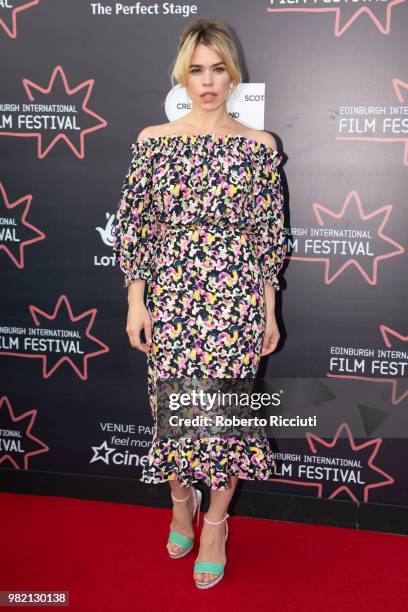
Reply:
x=347, y=238
x=56, y=112
x=111, y=456
x=376, y=123
x=345, y=12
x=386, y=364
x=17, y=440
x=337, y=466
x=56, y=338
x=10, y=10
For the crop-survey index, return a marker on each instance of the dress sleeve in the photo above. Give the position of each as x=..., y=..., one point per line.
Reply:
x=134, y=228
x=268, y=199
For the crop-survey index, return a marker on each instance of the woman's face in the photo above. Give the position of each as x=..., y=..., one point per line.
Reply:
x=207, y=73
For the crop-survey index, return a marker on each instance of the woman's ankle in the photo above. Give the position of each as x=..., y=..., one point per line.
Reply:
x=180, y=493
x=215, y=516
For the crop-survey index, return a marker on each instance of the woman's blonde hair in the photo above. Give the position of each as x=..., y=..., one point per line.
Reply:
x=214, y=34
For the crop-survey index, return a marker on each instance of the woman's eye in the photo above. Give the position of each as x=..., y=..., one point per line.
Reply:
x=198, y=69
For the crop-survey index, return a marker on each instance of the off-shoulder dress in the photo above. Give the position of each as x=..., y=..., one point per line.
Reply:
x=200, y=219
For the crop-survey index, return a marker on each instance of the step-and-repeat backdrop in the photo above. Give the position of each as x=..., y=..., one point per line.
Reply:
x=80, y=79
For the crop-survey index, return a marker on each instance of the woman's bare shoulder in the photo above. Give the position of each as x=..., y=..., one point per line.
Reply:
x=258, y=135
x=265, y=138
x=174, y=127
x=154, y=131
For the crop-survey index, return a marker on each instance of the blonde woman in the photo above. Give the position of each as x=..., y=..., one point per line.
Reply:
x=200, y=220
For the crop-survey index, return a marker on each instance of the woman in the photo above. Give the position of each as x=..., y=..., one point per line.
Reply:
x=200, y=221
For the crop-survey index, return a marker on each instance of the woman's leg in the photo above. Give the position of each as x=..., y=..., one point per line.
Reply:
x=182, y=513
x=212, y=541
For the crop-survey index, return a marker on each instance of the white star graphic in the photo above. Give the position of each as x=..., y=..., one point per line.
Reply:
x=98, y=455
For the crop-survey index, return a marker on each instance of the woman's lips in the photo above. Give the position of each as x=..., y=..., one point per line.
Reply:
x=208, y=96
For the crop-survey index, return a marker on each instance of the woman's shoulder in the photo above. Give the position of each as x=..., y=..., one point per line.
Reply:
x=146, y=141
x=156, y=131
x=150, y=131
x=264, y=150
x=151, y=137
x=264, y=138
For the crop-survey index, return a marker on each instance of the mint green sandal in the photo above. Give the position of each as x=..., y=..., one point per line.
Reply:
x=179, y=539
x=209, y=567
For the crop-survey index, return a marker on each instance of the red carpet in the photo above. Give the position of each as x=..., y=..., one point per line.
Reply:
x=112, y=557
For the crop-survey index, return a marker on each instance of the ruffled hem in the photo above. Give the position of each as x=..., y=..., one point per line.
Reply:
x=272, y=280
x=209, y=460
x=138, y=273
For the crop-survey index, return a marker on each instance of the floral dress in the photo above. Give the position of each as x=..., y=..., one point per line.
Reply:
x=200, y=218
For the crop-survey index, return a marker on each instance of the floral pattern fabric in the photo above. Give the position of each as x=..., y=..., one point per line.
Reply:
x=201, y=219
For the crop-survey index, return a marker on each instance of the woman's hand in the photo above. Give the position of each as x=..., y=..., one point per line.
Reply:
x=139, y=318
x=272, y=335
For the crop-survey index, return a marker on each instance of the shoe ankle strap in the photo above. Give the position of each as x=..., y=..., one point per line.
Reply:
x=217, y=522
x=181, y=500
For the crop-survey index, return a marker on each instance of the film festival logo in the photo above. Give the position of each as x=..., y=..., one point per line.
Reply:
x=364, y=123
x=355, y=476
x=17, y=440
x=58, y=337
x=349, y=238
x=53, y=113
x=10, y=10
x=387, y=364
x=345, y=13
x=16, y=233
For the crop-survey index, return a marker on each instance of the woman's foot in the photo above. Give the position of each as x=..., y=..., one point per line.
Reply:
x=182, y=521
x=212, y=546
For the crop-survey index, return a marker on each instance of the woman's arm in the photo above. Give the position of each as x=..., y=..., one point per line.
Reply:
x=271, y=337
x=134, y=239
x=269, y=239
